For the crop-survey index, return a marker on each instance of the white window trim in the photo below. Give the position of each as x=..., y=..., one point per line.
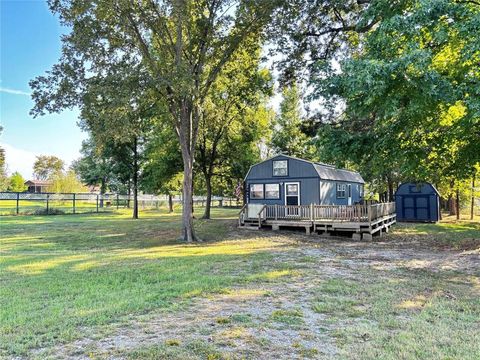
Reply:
x=273, y=168
x=265, y=191
x=256, y=198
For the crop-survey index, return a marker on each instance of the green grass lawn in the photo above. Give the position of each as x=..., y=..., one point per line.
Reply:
x=30, y=207
x=63, y=277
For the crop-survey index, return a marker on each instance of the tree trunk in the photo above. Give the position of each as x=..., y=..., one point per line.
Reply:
x=170, y=203
x=103, y=189
x=451, y=200
x=457, y=203
x=472, y=204
x=208, y=184
x=135, y=180
x=390, y=190
x=129, y=192
x=188, y=232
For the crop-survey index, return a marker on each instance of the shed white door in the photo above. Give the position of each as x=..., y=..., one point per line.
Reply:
x=349, y=195
x=292, y=198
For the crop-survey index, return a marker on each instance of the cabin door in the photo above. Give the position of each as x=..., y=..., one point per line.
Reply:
x=349, y=195
x=292, y=198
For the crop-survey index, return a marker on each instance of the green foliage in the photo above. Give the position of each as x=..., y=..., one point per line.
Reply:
x=16, y=183
x=163, y=168
x=235, y=120
x=45, y=167
x=66, y=182
x=177, y=49
x=410, y=89
x=94, y=167
x=288, y=137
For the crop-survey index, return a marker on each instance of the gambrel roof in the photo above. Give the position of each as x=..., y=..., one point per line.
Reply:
x=324, y=171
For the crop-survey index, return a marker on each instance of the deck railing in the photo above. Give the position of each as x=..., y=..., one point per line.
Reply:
x=350, y=213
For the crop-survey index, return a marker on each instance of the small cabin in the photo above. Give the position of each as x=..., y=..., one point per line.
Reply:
x=285, y=180
x=37, y=186
x=417, y=202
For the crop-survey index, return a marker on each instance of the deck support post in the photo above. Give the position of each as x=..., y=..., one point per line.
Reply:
x=357, y=236
x=307, y=230
x=275, y=227
x=367, y=237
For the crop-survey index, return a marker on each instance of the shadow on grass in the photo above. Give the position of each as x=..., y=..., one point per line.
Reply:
x=84, y=290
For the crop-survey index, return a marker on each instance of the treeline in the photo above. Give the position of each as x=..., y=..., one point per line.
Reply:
x=178, y=87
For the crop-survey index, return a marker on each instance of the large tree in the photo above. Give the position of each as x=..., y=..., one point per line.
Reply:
x=399, y=82
x=411, y=91
x=288, y=137
x=46, y=166
x=95, y=166
x=118, y=111
x=163, y=165
x=182, y=45
x=232, y=117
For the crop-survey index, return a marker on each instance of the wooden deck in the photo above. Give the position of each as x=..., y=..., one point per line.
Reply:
x=362, y=220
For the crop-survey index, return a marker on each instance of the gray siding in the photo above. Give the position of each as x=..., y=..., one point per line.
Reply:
x=313, y=190
x=328, y=193
x=309, y=190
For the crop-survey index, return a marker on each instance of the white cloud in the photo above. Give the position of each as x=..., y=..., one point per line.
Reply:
x=14, y=91
x=19, y=160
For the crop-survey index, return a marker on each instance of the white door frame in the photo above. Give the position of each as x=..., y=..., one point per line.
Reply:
x=285, y=195
x=285, y=190
x=349, y=194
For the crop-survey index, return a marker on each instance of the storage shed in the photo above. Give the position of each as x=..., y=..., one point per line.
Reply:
x=285, y=180
x=417, y=202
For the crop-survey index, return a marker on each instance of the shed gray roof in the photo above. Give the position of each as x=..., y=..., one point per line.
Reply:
x=328, y=172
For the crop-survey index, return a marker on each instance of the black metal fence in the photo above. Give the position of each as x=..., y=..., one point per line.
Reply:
x=15, y=203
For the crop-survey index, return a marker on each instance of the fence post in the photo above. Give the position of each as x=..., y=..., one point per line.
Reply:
x=74, y=203
x=97, y=203
x=311, y=212
x=48, y=211
x=117, y=201
x=18, y=201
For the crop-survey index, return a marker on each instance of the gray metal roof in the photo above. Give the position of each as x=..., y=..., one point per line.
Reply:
x=324, y=171
x=329, y=172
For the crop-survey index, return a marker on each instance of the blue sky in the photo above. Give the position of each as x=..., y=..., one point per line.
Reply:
x=30, y=45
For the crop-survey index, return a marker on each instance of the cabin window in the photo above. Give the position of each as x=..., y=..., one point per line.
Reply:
x=341, y=191
x=256, y=191
x=280, y=168
x=272, y=191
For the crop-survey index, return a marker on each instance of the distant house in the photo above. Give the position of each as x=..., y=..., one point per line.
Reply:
x=285, y=180
x=94, y=189
x=37, y=186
